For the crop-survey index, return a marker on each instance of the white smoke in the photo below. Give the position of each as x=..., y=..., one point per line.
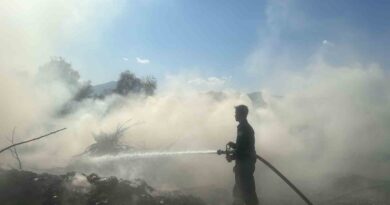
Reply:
x=336, y=121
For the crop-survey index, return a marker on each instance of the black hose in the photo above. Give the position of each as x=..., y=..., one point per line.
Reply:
x=285, y=180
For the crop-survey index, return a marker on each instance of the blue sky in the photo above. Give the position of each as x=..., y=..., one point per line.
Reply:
x=247, y=40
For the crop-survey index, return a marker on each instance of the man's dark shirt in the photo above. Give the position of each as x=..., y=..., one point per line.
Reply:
x=245, y=142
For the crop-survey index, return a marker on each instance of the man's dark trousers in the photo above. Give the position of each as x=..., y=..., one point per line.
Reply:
x=245, y=189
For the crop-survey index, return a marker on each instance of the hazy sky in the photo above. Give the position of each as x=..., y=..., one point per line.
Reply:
x=243, y=44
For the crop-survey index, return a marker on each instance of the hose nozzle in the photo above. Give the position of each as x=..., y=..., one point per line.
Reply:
x=220, y=152
x=229, y=152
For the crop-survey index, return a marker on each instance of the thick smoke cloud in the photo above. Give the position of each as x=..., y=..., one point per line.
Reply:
x=335, y=123
x=32, y=31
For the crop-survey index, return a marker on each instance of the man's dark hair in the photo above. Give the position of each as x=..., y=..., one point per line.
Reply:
x=242, y=109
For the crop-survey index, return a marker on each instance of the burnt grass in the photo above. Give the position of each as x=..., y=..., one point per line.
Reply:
x=25, y=187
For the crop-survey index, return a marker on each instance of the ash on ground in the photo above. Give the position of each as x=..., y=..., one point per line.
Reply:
x=24, y=187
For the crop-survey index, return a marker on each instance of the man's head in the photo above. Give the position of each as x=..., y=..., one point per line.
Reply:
x=241, y=113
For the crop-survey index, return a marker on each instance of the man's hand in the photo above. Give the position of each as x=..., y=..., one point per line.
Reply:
x=229, y=157
x=231, y=144
x=230, y=151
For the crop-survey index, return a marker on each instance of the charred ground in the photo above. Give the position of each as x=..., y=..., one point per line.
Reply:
x=24, y=187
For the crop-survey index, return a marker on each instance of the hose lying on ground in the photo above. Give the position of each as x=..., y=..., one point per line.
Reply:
x=285, y=180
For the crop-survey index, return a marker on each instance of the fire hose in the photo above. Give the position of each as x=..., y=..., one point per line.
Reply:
x=229, y=152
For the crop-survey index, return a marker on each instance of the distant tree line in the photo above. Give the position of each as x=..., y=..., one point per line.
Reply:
x=58, y=70
x=129, y=83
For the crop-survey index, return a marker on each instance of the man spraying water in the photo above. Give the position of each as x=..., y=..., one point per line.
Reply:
x=242, y=151
x=245, y=156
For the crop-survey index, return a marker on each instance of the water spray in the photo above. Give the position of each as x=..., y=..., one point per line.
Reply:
x=142, y=155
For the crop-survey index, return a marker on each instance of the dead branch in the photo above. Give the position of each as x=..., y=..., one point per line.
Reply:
x=11, y=140
x=14, y=149
x=37, y=138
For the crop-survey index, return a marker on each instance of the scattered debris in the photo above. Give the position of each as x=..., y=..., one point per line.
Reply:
x=75, y=188
x=108, y=143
